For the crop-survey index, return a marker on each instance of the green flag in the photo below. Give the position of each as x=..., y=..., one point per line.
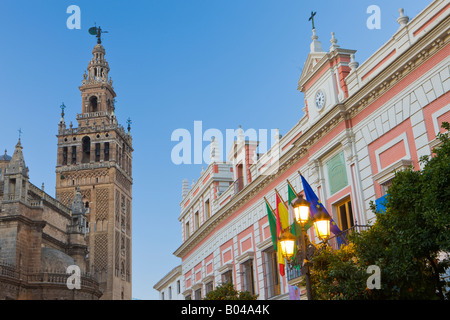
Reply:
x=272, y=225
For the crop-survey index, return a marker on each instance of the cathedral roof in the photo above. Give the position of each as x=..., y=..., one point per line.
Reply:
x=53, y=260
x=5, y=157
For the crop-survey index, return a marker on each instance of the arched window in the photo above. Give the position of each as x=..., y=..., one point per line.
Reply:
x=93, y=105
x=86, y=148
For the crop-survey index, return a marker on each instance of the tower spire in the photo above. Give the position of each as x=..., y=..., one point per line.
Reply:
x=96, y=89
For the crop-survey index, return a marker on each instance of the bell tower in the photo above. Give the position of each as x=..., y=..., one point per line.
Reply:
x=95, y=159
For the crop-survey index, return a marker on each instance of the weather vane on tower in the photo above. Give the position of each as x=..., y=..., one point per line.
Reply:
x=62, y=109
x=129, y=124
x=97, y=31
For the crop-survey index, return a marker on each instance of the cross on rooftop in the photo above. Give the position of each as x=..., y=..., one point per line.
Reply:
x=312, y=18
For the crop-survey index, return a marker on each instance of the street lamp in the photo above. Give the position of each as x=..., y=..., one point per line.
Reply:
x=302, y=216
x=287, y=243
x=322, y=223
x=321, y=220
x=301, y=209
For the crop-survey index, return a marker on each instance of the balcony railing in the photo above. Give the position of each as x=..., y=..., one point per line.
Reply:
x=12, y=272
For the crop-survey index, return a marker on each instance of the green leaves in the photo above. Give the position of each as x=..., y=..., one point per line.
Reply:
x=404, y=242
x=227, y=291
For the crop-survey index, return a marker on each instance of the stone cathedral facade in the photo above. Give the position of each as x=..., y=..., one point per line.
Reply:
x=97, y=157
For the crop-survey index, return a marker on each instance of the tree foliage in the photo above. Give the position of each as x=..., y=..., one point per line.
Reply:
x=405, y=241
x=227, y=291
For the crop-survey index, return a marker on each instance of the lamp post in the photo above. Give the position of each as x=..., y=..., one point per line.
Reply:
x=302, y=215
x=322, y=222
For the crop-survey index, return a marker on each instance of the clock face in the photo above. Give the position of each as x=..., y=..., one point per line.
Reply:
x=320, y=99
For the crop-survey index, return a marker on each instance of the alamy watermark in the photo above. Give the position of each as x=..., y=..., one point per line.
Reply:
x=374, y=20
x=212, y=145
x=374, y=280
x=74, y=20
x=74, y=280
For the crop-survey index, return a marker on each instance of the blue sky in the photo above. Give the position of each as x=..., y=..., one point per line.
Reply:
x=223, y=62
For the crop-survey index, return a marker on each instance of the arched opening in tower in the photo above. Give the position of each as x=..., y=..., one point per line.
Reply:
x=93, y=104
x=86, y=147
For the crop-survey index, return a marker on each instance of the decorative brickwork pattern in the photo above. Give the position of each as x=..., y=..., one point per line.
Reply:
x=86, y=195
x=102, y=196
x=127, y=216
x=117, y=253
x=117, y=207
x=101, y=252
x=66, y=197
x=123, y=181
x=128, y=259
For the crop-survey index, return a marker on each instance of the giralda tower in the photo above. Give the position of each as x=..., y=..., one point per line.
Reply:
x=96, y=157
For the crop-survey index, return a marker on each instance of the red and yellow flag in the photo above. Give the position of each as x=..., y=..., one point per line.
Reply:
x=282, y=224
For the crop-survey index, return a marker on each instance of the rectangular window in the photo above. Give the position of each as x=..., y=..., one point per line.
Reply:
x=74, y=154
x=97, y=152
x=65, y=151
x=106, y=151
x=196, y=221
x=247, y=279
x=345, y=215
x=198, y=294
x=227, y=276
x=239, y=183
x=170, y=293
x=271, y=273
x=385, y=187
x=188, y=233
x=208, y=287
x=178, y=287
x=207, y=209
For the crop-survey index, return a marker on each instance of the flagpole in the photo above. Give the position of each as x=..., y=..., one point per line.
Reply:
x=293, y=189
x=282, y=200
x=271, y=209
x=277, y=250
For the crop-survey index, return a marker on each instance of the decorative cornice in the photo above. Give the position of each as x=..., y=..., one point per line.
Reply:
x=395, y=72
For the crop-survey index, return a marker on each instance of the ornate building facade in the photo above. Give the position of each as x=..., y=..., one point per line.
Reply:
x=361, y=123
x=88, y=223
x=39, y=239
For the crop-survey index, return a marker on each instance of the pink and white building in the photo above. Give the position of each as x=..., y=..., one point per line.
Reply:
x=361, y=123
